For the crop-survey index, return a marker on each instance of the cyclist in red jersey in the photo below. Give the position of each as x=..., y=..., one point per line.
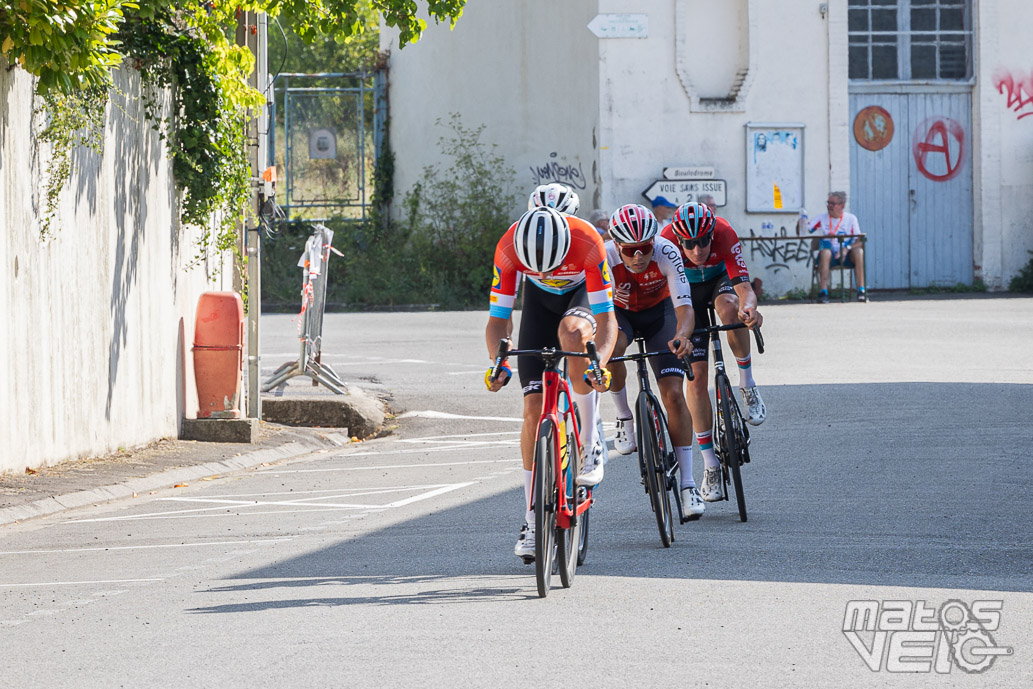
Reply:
x=715, y=267
x=653, y=301
x=567, y=302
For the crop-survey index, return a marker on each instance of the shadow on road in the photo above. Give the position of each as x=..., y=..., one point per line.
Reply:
x=850, y=484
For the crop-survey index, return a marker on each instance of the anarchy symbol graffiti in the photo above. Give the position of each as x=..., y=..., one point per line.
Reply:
x=939, y=148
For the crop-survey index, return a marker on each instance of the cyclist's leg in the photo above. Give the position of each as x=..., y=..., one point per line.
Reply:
x=578, y=327
x=697, y=397
x=624, y=441
x=726, y=303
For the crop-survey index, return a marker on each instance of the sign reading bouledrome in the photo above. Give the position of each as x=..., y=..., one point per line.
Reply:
x=679, y=191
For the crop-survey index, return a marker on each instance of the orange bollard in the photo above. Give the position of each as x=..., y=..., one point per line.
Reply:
x=219, y=354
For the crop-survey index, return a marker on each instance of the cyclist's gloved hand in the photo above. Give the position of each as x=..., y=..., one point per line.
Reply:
x=504, y=375
x=590, y=378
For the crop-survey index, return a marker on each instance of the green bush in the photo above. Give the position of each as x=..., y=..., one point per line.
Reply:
x=1023, y=282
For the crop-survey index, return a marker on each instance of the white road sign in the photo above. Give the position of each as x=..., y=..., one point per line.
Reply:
x=679, y=191
x=689, y=172
x=620, y=25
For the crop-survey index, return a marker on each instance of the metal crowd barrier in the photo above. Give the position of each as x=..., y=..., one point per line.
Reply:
x=314, y=264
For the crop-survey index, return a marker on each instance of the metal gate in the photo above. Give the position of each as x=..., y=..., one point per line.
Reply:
x=911, y=179
x=327, y=130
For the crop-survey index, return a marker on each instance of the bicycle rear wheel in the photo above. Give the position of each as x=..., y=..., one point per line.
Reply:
x=545, y=507
x=650, y=421
x=568, y=540
x=730, y=429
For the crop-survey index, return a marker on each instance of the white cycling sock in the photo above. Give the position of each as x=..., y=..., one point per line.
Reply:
x=620, y=399
x=684, y=454
x=745, y=372
x=706, y=448
x=589, y=406
x=528, y=478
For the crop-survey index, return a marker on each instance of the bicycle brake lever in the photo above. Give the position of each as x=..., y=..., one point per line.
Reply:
x=760, y=340
x=685, y=362
x=500, y=356
x=593, y=358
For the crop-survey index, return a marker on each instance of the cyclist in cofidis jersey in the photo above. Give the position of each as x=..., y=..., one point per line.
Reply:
x=567, y=302
x=715, y=267
x=653, y=300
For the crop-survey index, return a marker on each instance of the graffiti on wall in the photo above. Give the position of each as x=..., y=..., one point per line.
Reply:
x=778, y=252
x=938, y=146
x=554, y=171
x=1017, y=89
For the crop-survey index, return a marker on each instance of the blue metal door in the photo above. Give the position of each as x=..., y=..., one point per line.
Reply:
x=912, y=189
x=879, y=190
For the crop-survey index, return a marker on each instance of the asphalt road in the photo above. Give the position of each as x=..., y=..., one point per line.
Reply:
x=894, y=466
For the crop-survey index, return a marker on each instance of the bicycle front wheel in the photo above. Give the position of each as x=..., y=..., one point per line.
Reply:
x=650, y=421
x=730, y=429
x=545, y=507
x=568, y=540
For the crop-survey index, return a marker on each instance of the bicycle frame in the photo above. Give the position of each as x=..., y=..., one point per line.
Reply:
x=553, y=384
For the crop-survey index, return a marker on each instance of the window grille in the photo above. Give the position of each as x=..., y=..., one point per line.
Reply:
x=910, y=40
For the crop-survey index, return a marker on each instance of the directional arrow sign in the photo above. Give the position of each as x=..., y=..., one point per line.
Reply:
x=620, y=25
x=679, y=191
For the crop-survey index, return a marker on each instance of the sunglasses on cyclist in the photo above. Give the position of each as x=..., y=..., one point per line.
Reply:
x=690, y=244
x=633, y=250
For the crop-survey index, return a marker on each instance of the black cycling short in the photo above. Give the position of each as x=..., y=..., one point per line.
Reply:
x=540, y=324
x=656, y=325
x=702, y=294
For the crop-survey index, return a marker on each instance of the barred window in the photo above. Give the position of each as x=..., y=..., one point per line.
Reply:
x=910, y=40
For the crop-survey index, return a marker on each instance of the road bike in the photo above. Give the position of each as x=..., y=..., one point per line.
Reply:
x=656, y=457
x=561, y=507
x=731, y=435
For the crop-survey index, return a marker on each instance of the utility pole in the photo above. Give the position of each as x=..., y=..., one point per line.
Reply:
x=252, y=32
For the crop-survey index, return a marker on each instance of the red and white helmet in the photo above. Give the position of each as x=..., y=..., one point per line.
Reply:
x=633, y=224
x=555, y=195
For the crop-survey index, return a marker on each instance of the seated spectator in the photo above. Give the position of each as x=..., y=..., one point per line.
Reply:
x=836, y=248
x=708, y=201
x=601, y=221
x=663, y=210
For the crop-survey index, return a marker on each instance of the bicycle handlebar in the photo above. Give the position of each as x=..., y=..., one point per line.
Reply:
x=645, y=355
x=547, y=353
x=734, y=326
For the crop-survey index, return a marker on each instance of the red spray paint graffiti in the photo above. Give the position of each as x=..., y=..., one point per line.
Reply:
x=1018, y=91
x=938, y=146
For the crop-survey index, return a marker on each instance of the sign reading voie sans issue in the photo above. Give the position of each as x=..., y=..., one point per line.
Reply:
x=679, y=191
x=620, y=25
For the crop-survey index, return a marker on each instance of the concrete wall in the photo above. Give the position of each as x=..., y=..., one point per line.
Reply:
x=658, y=102
x=97, y=321
x=526, y=70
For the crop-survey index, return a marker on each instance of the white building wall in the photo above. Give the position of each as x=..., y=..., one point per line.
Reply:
x=652, y=108
x=526, y=70
x=97, y=321
x=1003, y=132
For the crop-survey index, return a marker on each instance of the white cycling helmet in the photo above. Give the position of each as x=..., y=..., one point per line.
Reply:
x=542, y=239
x=633, y=224
x=555, y=195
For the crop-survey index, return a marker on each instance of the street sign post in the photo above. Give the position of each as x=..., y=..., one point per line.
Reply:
x=679, y=191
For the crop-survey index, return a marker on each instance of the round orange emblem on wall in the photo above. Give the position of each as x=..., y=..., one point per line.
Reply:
x=873, y=128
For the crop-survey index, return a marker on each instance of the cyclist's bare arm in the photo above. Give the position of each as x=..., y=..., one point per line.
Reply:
x=685, y=321
x=497, y=329
x=748, y=312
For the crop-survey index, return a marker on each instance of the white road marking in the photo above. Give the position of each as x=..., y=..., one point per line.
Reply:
x=384, y=466
x=138, y=547
x=81, y=583
x=459, y=435
x=422, y=450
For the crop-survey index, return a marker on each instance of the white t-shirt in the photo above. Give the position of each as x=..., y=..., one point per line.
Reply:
x=830, y=228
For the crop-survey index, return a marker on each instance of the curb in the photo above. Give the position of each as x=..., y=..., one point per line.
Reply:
x=163, y=479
